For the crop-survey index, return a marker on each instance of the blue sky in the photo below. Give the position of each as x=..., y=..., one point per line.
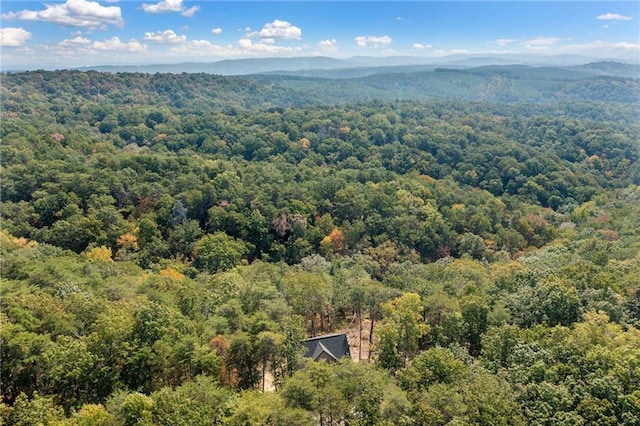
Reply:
x=71, y=33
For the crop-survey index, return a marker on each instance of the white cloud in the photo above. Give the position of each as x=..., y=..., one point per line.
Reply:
x=202, y=48
x=278, y=29
x=245, y=43
x=327, y=46
x=165, y=37
x=164, y=6
x=72, y=13
x=191, y=11
x=264, y=46
x=167, y=6
x=75, y=42
x=114, y=44
x=604, y=49
x=81, y=47
x=442, y=52
x=540, y=44
x=375, y=41
x=268, y=37
x=504, y=41
x=542, y=41
x=216, y=31
x=13, y=36
x=420, y=46
x=614, y=17
x=245, y=47
x=197, y=43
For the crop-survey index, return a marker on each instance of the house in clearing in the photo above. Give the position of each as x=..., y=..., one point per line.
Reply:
x=329, y=348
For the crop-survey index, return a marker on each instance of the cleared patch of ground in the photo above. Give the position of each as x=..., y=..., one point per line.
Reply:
x=358, y=353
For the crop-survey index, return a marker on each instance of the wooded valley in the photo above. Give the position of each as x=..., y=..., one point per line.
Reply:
x=169, y=240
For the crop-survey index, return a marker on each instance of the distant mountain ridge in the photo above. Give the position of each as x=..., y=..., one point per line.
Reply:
x=322, y=66
x=488, y=83
x=612, y=68
x=492, y=83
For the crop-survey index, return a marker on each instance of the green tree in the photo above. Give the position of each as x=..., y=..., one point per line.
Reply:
x=199, y=403
x=92, y=415
x=442, y=313
x=437, y=365
x=244, y=359
x=490, y=400
x=268, y=347
x=35, y=411
x=338, y=393
x=309, y=294
x=264, y=409
x=474, y=314
x=596, y=411
x=184, y=237
x=498, y=344
x=132, y=409
x=401, y=330
x=218, y=252
x=70, y=372
x=21, y=365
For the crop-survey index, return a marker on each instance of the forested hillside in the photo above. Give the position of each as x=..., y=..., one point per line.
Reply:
x=169, y=240
x=504, y=84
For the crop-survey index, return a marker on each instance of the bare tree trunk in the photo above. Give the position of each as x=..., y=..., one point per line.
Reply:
x=359, y=334
x=371, y=338
x=371, y=331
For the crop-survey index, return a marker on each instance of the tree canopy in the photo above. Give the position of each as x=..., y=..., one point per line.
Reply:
x=168, y=241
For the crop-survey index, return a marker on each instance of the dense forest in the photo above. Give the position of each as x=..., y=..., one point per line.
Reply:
x=169, y=240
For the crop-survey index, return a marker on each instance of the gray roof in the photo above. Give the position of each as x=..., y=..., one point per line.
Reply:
x=330, y=347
